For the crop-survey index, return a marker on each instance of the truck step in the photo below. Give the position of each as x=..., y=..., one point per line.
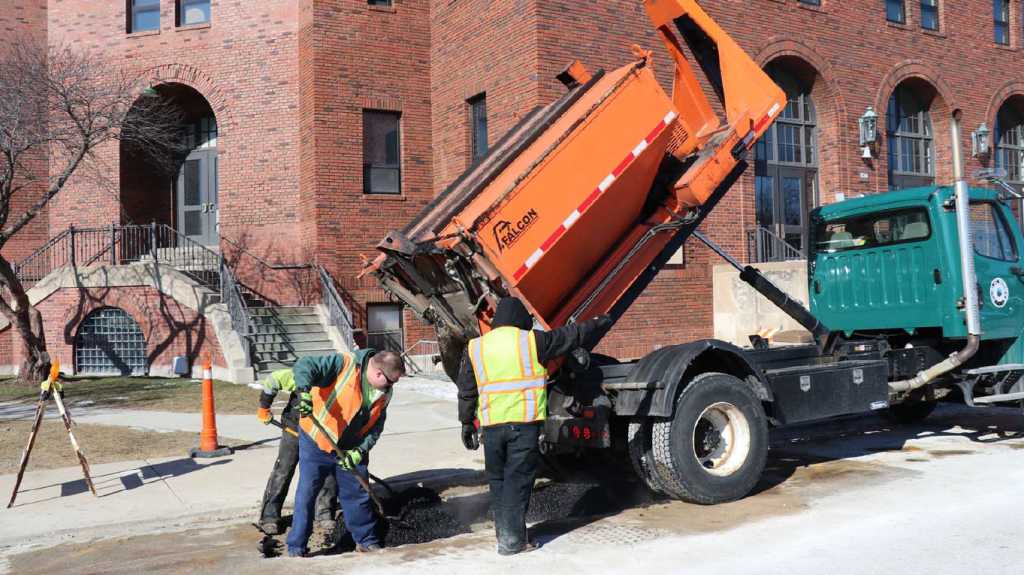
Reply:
x=1000, y=398
x=996, y=369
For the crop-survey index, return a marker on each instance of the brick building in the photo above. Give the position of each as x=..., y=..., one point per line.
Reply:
x=318, y=125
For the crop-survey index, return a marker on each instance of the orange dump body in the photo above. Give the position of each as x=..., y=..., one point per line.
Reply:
x=579, y=205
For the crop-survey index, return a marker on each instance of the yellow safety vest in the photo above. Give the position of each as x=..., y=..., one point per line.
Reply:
x=509, y=377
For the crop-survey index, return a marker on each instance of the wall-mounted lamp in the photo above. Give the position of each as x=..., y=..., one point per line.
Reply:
x=980, y=141
x=868, y=128
x=149, y=92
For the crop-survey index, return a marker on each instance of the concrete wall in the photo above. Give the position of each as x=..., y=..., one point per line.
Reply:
x=740, y=311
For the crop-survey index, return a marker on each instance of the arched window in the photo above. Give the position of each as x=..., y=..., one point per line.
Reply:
x=786, y=165
x=110, y=342
x=1009, y=145
x=908, y=137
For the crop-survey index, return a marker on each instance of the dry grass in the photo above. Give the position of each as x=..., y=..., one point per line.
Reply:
x=142, y=393
x=99, y=443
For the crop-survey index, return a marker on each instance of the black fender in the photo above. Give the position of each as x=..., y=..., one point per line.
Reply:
x=675, y=366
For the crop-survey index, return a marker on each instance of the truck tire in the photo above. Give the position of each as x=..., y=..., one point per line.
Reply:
x=911, y=411
x=713, y=448
x=638, y=437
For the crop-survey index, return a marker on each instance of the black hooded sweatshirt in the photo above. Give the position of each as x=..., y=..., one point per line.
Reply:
x=550, y=344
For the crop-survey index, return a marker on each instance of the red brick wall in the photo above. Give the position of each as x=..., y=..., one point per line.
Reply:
x=356, y=57
x=170, y=329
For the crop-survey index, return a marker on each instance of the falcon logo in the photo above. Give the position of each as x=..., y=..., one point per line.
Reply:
x=506, y=233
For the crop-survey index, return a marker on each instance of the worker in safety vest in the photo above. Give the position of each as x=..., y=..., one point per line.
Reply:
x=348, y=393
x=288, y=457
x=502, y=383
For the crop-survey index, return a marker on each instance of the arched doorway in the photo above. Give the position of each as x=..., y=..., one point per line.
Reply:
x=909, y=136
x=187, y=198
x=1008, y=135
x=786, y=157
x=110, y=342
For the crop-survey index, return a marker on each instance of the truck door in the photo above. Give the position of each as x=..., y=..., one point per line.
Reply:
x=996, y=256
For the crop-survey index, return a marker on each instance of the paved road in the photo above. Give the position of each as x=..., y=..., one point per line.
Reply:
x=852, y=496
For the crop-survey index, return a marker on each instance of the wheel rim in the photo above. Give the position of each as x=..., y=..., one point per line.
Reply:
x=721, y=439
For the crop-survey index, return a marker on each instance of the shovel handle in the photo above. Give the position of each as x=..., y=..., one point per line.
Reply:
x=337, y=450
x=280, y=425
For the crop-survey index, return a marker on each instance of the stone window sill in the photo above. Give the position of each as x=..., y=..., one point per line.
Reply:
x=385, y=9
x=935, y=33
x=199, y=26
x=385, y=197
x=142, y=34
x=812, y=7
x=1004, y=47
x=897, y=25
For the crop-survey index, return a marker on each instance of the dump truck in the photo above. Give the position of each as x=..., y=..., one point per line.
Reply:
x=579, y=206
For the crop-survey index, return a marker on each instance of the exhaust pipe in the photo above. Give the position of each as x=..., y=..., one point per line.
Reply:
x=963, y=225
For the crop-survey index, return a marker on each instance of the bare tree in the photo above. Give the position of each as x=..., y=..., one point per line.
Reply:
x=59, y=106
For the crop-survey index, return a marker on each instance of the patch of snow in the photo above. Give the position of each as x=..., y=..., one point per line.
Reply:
x=84, y=403
x=255, y=385
x=432, y=387
x=153, y=429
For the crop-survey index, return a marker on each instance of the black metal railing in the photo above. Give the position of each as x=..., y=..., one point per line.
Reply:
x=340, y=316
x=764, y=246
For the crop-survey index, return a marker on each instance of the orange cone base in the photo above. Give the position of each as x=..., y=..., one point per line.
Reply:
x=208, y=453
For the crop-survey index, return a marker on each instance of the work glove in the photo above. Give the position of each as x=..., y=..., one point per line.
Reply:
x=469, y=437
x=352, y=459
x=305, y=406
x=263, y=414
x=604, y=321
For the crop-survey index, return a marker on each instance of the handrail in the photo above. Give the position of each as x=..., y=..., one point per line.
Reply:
x=340, y=315
x=765, y=246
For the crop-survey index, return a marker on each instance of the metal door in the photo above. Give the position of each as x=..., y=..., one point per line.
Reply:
x=197, y=197
x=996, y=254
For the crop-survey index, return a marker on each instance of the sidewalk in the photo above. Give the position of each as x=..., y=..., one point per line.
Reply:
x=421, y=443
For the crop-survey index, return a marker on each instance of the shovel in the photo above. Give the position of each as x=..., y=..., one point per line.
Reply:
x=375, y=479
x=362, y=481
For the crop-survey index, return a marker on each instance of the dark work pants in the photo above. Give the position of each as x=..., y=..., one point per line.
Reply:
x=315, y=465
x=284, y=469
x=511, y=457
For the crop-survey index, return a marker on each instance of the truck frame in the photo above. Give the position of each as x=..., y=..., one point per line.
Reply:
x=578, y=208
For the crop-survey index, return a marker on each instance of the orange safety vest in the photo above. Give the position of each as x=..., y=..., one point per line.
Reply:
x=335, y=405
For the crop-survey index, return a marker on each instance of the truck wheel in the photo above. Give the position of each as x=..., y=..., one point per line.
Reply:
x=911, y=411
x=641, y=455
x=714, y=447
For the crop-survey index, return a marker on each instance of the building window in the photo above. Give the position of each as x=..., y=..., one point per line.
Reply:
x=143, y=15
x=1009, y=147
x=382, y=172
x=811, y=2
x=930, y=14
x=908, y=137
x=110, y=342
x=379, y=2
x=895, y=11
x=1001, y=15
x=786, y=166
x=193, y=12
x=384, y=327
x=478, y=125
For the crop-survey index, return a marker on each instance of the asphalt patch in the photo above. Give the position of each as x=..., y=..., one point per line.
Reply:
x=425, y=514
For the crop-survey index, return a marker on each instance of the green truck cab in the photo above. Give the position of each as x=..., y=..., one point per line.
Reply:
x=888, y=265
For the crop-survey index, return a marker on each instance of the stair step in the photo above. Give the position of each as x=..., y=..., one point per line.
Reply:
x=279, y=346
x=286, y=320
x=284, y=311
x=291, y=328
x=263, y=367
x=279, y=337
x=289, y=356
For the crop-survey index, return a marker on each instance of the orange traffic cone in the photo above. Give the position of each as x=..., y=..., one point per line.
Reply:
x=208, y=438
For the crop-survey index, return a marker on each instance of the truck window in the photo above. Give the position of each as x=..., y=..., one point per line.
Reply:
x=873, y=230
x=991, y=237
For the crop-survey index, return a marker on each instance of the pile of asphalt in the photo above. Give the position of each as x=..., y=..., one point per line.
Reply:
x=423, y=518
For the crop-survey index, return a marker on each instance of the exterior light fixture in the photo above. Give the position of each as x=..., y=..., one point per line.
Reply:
x=868, y=127
x=149, y=92
x=980, y=141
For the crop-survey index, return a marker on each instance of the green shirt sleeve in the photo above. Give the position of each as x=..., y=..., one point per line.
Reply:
x=319, y=371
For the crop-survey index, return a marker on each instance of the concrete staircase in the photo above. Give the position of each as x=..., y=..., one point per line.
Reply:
x=283, y=335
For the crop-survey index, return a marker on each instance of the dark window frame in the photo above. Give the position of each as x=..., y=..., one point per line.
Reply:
x=1001, y=26
x=384, y=3
x=902, y=7
x=823, y=226
x=131, y=9
x=921, y=140
x=179, y=12
x=994, y=208
x=930, y=7
x=810, y=2
x=397, y=167
x=477, y=149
